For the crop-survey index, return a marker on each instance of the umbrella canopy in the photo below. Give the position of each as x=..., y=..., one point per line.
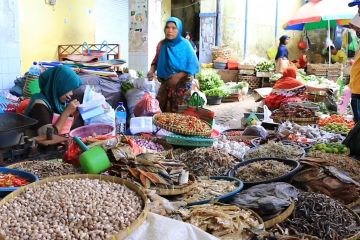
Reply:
x=318, y=13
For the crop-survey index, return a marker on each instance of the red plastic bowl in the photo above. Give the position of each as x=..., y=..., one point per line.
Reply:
x=92, y=130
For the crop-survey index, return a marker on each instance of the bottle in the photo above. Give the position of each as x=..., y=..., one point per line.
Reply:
x=120, y=118
x=35, y=69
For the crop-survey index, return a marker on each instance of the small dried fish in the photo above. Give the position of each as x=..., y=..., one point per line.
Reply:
x=262, y=171
x=223, y=221
x=207, y=162
x=208, y=189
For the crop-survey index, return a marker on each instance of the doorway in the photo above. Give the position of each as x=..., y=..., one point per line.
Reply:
x=188, y=11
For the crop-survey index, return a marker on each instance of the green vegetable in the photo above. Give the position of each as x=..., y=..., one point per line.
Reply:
x=275, y=77
x=216, y=92
x=265, y=66
x=126, y=86
x=209, y=79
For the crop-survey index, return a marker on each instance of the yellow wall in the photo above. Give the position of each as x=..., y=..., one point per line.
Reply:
x=44, y=27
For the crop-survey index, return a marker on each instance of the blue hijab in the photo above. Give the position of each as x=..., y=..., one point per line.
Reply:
x=177, y=55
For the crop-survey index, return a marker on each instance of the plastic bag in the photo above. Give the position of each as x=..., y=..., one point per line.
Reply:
x=147, y=106
x=141, y=125
x=108, y=117
x=267, y=198
x=258, y=131
x=146, y=85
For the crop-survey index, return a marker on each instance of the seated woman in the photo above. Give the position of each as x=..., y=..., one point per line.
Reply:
x=175, y=63
x=56, y=85
x=286, y=89
x=337, y=55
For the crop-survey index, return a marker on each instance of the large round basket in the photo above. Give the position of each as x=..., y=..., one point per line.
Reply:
x=120, y=235
x=179, y=130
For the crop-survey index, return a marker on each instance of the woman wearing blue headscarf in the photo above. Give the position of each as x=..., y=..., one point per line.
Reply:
x=175, y=63
x=57, y=85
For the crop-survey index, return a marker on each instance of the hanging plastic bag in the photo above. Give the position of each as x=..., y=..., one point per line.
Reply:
x=147, y=106
x=267, y=115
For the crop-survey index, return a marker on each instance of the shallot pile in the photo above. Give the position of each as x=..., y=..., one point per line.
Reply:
x=70, y=209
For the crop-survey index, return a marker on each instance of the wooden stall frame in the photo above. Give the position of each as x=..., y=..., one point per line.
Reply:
x=64, y=50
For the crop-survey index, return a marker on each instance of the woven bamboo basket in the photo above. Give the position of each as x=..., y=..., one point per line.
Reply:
x=223, y=52
x=205, y=133
x=176, y=190
x=280, y=218
x=315, y=96
x=120, y=235
x=300, y=121
x=253, y=81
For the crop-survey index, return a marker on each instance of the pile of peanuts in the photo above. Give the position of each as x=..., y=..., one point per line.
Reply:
x=70, y=209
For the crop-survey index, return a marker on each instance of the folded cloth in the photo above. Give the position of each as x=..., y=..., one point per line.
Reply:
x=81, y=58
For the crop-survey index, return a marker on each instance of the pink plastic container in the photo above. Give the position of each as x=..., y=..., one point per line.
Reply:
x=92, y=130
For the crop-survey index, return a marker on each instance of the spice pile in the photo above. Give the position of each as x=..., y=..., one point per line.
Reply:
x=275, y=150
x=44, y=169
x=223, y=221
x=262, y=171
x=10, y=180
x=208, y=189
x=318, y=215
x=179, y=123
x=207, y=162
x=70, y=209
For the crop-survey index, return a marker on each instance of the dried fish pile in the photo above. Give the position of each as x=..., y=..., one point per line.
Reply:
x=345, y=163
x=70, y=209
x=318, y=215
x=275, y=150
x=44, y=169
x=262, y=171
x=152, y=170
x=208, y=189
x=207, y=162
x=223, y=221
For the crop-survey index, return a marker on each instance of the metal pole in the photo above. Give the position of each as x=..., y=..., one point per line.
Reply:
x=219, y=5
x=276, y=20
x=246, y=28
x=329, y=45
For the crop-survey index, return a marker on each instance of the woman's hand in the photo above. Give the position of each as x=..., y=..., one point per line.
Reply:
x=151, y=73
x=71, y=108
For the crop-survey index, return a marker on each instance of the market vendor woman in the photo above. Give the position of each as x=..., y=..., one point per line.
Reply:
x=175, y=63
x=56, y=85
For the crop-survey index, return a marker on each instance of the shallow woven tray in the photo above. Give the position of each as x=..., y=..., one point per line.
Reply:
x=120, y=235
x=180, y=131
x=280, y=218
x=301, y=121
x=186, y=141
